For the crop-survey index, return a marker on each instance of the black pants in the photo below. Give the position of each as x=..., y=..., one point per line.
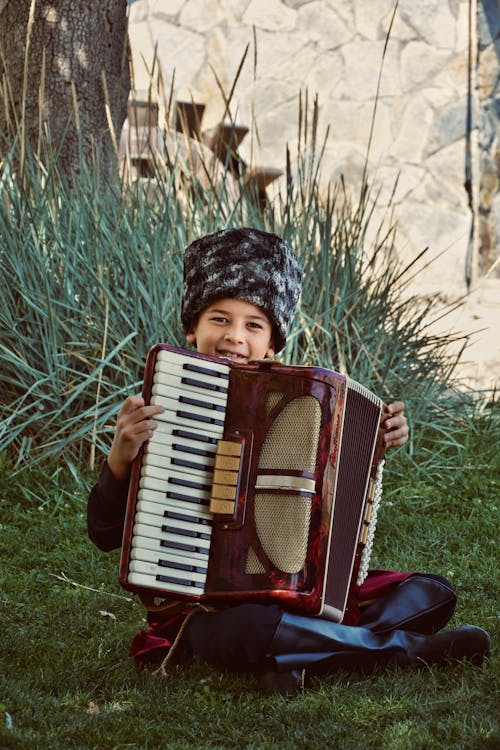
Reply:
x=239, y=638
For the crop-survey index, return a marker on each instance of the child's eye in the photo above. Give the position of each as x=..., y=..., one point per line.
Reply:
x=219, y=319
x=255, y=325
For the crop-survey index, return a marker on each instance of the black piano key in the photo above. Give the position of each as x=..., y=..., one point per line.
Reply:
x=184, y=547
x=185, y=532
x=194, y=436
x=201, y=404
x=189, y=568
x=185, y=517
x=207, y=386
x=186, y=498
x=193, y=451
x=181, y=532
x=190, y=464
x=205, y=371
x=181, y=581
x=200, y=418
x=187, y=483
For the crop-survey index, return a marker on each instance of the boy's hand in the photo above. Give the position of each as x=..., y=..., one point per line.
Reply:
x=395, y=425
x=134, y=425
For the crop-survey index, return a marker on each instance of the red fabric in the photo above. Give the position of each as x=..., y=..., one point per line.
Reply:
x=152, y=644
x=378, y=583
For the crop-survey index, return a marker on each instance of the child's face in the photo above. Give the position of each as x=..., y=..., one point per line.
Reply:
x=235, y=329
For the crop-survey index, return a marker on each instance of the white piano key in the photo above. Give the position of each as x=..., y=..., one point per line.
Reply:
x=165, y=358
x=142, y=539
x=140, y=566
x=149, y=581
x=149, y=537
x=176, y=451
x=164, y=437
x=158, y=508
x=165, y=467
x=190, y=422
x=194, y=488
x=190, y=496
x=157, y=535
x=173, y=401
x=165, y=553
x=203, y=386
x=179, y=432
x=195, y=474
x=159, y=502
x=194, y=468
x=173, y=524
x=173, y=387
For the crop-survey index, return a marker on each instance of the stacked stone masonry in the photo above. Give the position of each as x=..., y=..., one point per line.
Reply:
x=435, y=146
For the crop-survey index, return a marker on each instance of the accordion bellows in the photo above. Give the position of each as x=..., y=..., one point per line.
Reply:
x=261, y=484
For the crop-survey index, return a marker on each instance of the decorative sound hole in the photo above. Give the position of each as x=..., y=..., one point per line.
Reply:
x=292, y=439
x=282, y=523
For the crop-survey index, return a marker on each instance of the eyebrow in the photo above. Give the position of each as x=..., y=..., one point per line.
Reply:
x=227, y=312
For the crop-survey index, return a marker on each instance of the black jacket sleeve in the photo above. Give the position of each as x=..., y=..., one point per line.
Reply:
x=106, y=510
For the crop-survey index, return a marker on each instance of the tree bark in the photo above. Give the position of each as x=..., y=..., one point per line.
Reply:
x=75, y=81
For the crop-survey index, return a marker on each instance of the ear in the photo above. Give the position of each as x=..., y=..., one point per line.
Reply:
x=190, y=335
x=270, y=350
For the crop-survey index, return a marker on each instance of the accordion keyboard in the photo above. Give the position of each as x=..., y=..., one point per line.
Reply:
x=172, y=524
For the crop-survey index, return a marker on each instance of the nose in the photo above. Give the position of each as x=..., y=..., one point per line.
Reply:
x=234, y=333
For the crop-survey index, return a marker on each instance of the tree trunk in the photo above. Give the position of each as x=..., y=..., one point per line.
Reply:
x=77, y=67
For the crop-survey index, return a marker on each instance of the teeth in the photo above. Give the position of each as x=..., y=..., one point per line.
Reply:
x=232, y=355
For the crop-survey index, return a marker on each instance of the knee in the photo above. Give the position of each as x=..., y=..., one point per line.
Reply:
x=440, y=579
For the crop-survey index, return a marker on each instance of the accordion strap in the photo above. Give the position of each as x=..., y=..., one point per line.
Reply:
x=162, y=669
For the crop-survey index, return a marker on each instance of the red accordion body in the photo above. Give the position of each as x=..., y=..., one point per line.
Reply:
x=258, y=485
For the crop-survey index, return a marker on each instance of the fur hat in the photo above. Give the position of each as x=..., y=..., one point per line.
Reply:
x=252, y=265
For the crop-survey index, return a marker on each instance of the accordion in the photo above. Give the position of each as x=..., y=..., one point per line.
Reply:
x=261, y=483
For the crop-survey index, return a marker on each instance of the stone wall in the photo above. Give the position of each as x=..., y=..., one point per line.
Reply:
x=430, y=101
x=488, y=89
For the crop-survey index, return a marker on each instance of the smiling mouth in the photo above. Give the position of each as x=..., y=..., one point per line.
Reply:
x=233, y=356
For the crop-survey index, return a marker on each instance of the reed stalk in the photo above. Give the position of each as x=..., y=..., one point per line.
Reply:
x=95, y=278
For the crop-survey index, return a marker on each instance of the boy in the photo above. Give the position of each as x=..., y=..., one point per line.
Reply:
x=241, y=287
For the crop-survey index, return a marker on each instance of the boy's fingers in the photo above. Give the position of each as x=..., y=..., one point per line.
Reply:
x=394, y=423
x=395, y=408
x=146, y=412
x=133, y=407
x=132, y=403
x=396, y=437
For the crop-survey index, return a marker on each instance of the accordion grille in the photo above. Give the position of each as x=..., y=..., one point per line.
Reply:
x=282, y=523
x=282, y=520
x=291, y=442
x=272, y=399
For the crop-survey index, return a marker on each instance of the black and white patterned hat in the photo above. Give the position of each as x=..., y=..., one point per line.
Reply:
x=256, y=266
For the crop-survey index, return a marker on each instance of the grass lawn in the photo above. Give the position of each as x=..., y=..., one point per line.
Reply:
x=67, y=682
x=95, y=277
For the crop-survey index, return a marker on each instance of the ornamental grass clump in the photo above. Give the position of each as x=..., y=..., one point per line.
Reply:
x=93, y=278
